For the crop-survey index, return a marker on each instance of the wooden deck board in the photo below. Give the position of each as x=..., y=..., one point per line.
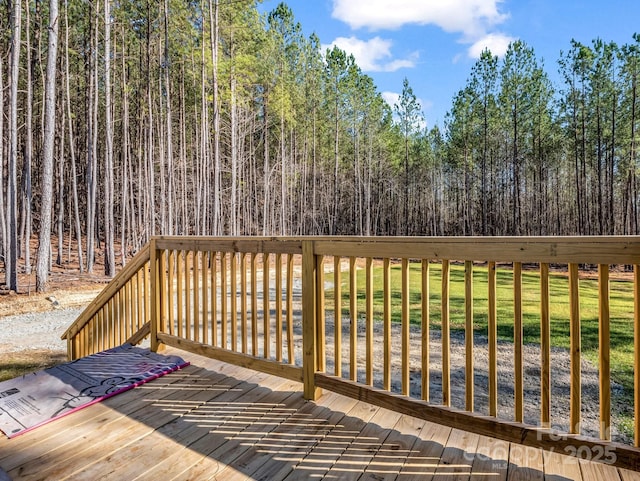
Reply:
x=212, y=419
x=362, y=453
x=525, y=464
x=557, y=466
x=56, y=438
x=132, y=459
x=275, y=458
x=492, y=456
x=457, y=457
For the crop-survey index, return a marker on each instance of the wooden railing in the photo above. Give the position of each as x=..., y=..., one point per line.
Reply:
x=385, y=320
x=120, y=313
x=231, y=299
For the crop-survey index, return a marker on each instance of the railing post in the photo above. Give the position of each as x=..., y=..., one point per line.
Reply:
x=309, y=328
x=156, y=296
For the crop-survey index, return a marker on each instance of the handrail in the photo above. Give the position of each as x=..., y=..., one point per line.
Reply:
x=283, y=304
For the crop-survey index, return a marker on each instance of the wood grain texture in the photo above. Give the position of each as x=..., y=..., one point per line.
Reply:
x=217, y=419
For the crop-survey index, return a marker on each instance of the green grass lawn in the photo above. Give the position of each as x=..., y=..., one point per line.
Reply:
x=621, y=308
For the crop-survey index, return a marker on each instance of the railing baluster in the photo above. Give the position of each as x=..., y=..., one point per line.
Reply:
x=279, y=307
x=110, y=327
x=148, y=289
x=170, y=296
x=129, y=306
x=162, y=292
x=321, y=331
x=604, y=342
x=137, y=298
x=91, y=338
x=243, y=301
x=254, y=304
x=337, y=315
x=386, y=293
x=493, y=341
x=545, y=348
x=425, y=335
x=187, y=288
x=179, y=292
x=468, y=335
x=119, y=304
x=636, y=343
x=196, y=296
x=446, y=357
x=97, y=344
x=574, y=349
x=266, y=306
x=406, y=321
x=233, y=288
x=111, y=316
x=369, y=320
x=290, y=346
x=204, y=270
x=353, y=313
x=122, y=312
x=104, y=315
x=133, y=307
x=224, y=344
x=518, y=368
x=214, y=298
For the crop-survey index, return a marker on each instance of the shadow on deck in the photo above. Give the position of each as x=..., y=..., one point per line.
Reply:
x=217, y=421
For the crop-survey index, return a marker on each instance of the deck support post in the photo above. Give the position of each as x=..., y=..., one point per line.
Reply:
x=309, y=324
x=156, y=296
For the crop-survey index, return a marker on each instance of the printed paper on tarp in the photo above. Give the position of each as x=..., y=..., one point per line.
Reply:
x=35, y=399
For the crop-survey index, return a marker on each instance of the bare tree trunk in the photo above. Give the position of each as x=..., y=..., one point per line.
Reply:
x=11, y=260
x=109, y=252
x=266, y=194
x=3, y=214
x=182, y=160
x=28, y=153
x=202, y=206
x=214, y=33
x=92, y=143
x=169, y=152
x=44, y=246
x=72, y=147
x=161, y=160
x=61, y=196
x=234, y=157
x=126, y=160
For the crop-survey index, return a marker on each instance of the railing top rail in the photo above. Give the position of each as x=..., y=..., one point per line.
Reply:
x=283, y=245
x=564, y=250
x=547, y=249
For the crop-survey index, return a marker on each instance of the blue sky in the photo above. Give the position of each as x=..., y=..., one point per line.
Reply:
x=434, y=43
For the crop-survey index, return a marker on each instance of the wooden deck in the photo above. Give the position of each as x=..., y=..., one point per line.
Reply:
x=217, y=421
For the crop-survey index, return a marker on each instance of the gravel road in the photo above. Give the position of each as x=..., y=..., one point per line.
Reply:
x=37, y=331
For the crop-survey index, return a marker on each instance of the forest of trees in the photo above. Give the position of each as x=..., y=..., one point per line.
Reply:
x=131, y=118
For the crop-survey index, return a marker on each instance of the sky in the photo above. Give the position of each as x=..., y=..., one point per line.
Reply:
x=434, y=43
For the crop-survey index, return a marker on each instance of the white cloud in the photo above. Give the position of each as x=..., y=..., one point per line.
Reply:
x=497, y=43
x=391, y=98
x=470, y=17
x=474, y=20
x=373, y=55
